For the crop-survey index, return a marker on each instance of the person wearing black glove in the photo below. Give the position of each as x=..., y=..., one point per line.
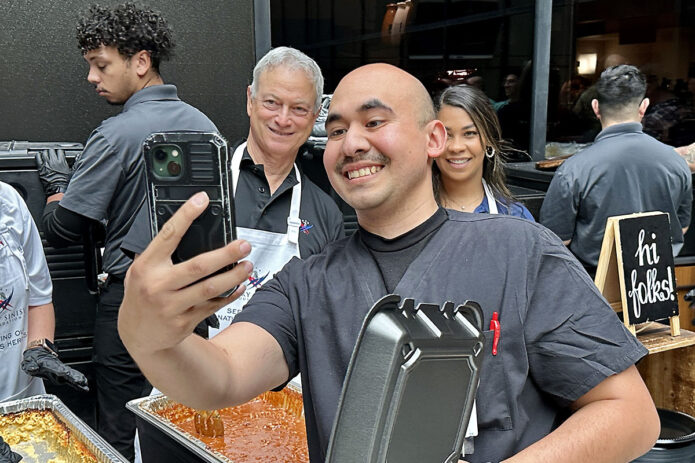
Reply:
x=27, y=318
x=6, y=453
x=41, y=360
x=54, y=171
x=123, y=47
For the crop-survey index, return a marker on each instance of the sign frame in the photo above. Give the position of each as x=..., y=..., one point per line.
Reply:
x=610, y=272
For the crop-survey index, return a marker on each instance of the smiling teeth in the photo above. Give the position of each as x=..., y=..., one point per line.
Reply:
x=458, y=161
x=363, y=172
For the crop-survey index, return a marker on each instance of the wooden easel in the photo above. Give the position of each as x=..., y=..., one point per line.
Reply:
x=610, y=277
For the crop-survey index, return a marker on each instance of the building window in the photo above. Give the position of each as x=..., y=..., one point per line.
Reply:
x=442, y=42
x=656, y=37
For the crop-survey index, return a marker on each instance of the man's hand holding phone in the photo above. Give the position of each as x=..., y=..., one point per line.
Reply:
x=163, y=301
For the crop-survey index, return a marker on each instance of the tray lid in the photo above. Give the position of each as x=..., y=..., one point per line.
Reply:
x=410, y=385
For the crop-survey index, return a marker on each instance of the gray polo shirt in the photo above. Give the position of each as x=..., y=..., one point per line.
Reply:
x=108, y=183
x=255, y=207
x=623, y=172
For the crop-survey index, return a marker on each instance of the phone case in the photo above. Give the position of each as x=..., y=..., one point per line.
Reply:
x=192, y=162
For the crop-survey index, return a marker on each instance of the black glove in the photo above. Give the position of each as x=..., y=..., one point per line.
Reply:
x=42, y=363
x=6, y=453
x=202, y=328
x=53, y=171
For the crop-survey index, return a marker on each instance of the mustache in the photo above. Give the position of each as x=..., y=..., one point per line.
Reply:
x=376, y=158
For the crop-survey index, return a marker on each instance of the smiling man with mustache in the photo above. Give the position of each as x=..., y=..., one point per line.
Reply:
x=563, y=378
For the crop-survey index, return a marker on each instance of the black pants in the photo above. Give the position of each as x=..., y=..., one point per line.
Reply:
x=118, y=378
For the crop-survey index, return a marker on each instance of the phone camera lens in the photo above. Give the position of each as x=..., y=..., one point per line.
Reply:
x=174, y=168
x=160, y=155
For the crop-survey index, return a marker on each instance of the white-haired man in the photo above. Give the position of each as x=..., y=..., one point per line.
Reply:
x=277, y=209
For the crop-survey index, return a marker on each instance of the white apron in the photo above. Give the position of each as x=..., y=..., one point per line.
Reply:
x=269, y=251
x=14, y=295
x=491, y=203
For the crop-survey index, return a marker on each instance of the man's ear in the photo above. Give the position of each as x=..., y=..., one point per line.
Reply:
x=142, y=62
x=248, y=101
x=643, y=107
x=436, y=138
x=595, y=108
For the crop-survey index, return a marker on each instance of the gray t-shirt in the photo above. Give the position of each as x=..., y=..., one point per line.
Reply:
x=623, y=172
x=559, y=338
x=108, y=183
x=18, y=231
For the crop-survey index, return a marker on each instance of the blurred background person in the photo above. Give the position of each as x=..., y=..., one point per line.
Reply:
x=511, y=81
x=124, y=47
x=666, y=113
x=478, y=82
x=469, y=175
x=515, y=116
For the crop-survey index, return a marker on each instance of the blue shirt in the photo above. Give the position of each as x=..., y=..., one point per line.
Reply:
x=515, y=209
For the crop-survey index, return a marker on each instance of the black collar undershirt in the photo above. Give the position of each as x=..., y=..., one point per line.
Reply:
x=393, y=256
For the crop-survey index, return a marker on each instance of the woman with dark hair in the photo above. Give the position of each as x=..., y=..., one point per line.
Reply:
x=469, y=175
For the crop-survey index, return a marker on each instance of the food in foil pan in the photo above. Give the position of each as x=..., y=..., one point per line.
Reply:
x=38, y=436
x=269, y=428
x=42, y=429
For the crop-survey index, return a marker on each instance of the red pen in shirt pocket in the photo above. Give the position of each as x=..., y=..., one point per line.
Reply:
x=495, y=327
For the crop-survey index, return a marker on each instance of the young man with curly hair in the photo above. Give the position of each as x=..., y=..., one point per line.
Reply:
x=123, y=47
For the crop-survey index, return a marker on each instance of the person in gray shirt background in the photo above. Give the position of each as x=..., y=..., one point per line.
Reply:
x=123, y=47
x=623, y=172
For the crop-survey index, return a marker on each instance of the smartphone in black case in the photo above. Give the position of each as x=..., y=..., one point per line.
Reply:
x=178, y=165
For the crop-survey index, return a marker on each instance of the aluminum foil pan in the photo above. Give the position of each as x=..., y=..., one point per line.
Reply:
x=86, y=435
x=147, y=407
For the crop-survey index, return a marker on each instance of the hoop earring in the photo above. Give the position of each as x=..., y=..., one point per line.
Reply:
x=490, y=152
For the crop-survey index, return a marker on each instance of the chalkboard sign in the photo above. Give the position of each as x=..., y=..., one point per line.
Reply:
x=648, y=269
x=636, y=272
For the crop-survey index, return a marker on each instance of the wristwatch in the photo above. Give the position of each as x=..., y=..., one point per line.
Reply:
x=45, y=343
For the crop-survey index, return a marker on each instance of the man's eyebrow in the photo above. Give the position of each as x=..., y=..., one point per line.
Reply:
x=374, y=103
x=332, y=117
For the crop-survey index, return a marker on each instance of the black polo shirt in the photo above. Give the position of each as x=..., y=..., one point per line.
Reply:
x=255, y=207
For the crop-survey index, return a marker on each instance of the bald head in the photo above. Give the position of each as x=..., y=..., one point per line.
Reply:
x=390, y=81
x=382, y=139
